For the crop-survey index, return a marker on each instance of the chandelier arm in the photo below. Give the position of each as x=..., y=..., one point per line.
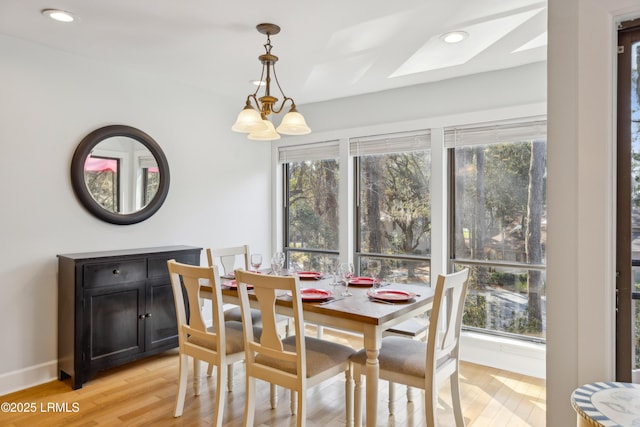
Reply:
x=284, y=101
x=256, y=103
x=275, y=75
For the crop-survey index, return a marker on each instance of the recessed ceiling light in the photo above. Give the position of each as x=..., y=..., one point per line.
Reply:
x=258, y=82
x=454, y=36
x=59, y=15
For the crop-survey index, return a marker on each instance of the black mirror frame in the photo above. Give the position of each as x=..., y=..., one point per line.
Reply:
x=82, y=193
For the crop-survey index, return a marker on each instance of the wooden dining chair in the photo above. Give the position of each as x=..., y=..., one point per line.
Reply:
x=218, y=346
x=228, y=259
x=425, y=365
x=296, y=362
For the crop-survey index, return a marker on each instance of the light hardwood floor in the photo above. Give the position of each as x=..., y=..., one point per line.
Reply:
x=143, y=394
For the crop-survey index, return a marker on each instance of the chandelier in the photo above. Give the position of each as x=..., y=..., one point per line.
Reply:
x=254, y=121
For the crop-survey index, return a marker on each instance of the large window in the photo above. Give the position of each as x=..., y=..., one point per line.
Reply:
x=393, y=210
x=499, y=225
x=311, y=205
x=494, y=192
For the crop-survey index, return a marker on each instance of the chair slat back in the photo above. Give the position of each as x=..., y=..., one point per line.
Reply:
x=191, y=278
x=446, y=317
x=228, y=257
x=267, y=288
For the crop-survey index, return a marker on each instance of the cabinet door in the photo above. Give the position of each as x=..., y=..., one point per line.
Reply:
x=161, y=326
x=161, y=329
x=114, y=319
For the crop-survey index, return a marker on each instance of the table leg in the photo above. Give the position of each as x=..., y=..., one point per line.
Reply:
x=372, y=343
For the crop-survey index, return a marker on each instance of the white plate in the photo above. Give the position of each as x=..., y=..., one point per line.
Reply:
x=311, y=294
x=391, y=295
x=309, y=275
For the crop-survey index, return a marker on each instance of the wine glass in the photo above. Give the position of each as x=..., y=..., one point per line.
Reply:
x=346, y=272
x=277, y=263
x=331, y=273
x=256, y=261
x=374, y=268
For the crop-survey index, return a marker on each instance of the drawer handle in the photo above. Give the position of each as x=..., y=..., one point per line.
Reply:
x=116, y=272
x=144, y=316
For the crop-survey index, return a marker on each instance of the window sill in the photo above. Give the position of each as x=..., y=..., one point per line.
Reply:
x=509, y=354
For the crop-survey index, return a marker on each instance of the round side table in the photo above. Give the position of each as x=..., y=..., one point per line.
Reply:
x=607, y=404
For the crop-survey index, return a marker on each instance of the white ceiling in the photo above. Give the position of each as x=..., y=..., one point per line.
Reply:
x=327, y=49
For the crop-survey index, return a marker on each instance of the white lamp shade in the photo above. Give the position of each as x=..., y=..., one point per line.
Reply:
x=293, y=123
x=265, y=135
x=249, y=120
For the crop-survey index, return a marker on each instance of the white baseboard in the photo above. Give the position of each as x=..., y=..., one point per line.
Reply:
x=28, y=377
x=512, y=355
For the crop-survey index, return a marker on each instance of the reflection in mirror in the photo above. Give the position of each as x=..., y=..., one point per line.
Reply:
x=101, y=175
x=121, y=175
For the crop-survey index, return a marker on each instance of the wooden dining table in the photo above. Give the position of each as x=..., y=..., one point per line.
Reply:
x=356, y=313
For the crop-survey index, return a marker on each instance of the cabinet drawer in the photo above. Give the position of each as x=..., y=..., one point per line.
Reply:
x=116, y=272
x=158, y=265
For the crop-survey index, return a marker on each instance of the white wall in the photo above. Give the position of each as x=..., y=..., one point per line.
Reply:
x=219, y=192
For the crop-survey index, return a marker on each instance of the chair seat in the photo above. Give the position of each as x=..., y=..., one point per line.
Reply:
x=235, y=314
x=234, y=338
x=398, y=354
x=321, y=356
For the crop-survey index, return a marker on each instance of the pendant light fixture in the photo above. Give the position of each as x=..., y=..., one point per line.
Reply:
x=253, y=119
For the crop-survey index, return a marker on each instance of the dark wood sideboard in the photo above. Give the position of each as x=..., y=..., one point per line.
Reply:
x=115, y=307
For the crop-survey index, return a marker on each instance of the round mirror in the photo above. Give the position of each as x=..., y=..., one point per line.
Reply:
x=120, y=174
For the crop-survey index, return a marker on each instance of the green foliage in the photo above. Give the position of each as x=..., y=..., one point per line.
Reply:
x=517, y=282
x=525, y=324
x=502, y=179
x=313, y=205
x=396, y=201
x=507, y=177
x=103, y=188
x=475, y=311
